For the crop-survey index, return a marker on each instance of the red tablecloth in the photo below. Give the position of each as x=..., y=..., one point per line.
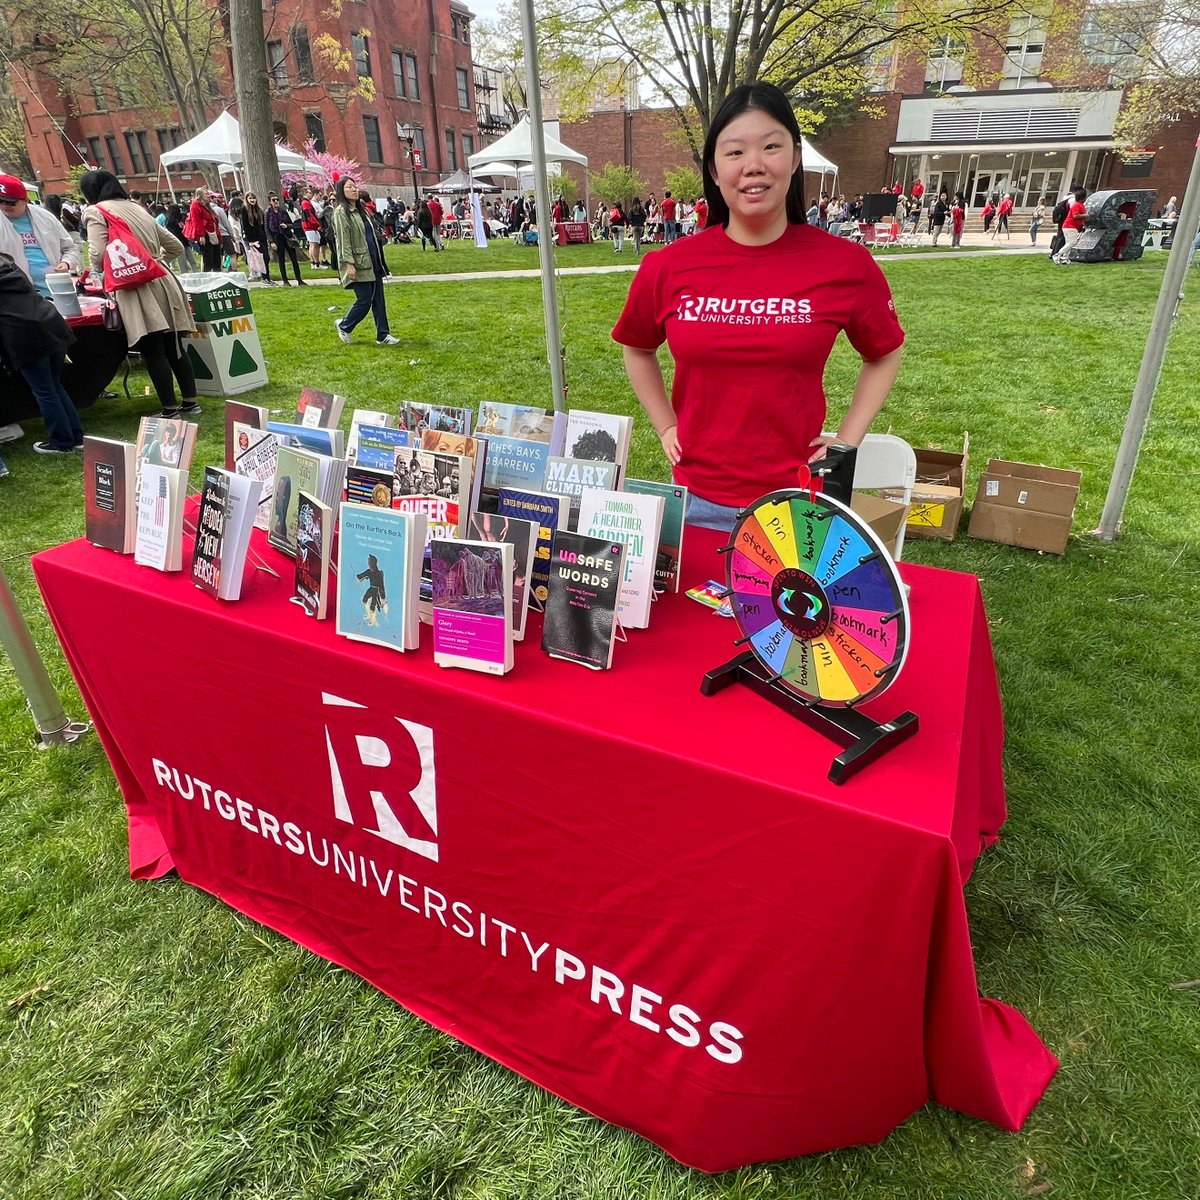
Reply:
x=568, y=232
x=652, y=903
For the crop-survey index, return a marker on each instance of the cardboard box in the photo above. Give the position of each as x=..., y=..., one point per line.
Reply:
x=884, y=516
x=938, y=494
x=1020, y=504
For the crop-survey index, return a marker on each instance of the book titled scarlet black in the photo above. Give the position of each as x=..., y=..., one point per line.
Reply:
x=582, y=598
x=110, y=502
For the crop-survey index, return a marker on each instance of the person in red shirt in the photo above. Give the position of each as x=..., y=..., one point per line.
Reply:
x=918, y=190
x=670, y=224
x=1002, y=212
x=988, y=214
x=310, y=222
x=435, y=211
x=700, y=213
x=958, y=217
x=750, y=309
x=1072, y=226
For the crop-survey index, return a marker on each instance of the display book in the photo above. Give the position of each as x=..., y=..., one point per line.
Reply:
x=162, y=458
x=228, y=503
x=296, y=471
x=379, y=557
x=314, y=539
x=472, y=604
x=109, y=493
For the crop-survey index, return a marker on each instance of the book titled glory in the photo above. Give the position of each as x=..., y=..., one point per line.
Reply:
x=109, y=499
x=472, y=605
x=582, y=598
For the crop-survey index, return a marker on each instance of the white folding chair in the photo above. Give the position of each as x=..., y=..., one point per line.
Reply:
x=887, y=461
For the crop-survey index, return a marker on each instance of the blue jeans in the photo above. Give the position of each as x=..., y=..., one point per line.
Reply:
x=368, y=298
x=63, y=427
x=709, y=515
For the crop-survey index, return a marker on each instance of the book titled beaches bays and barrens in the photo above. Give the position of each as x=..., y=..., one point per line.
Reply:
x=582, y=599
x=472, y=605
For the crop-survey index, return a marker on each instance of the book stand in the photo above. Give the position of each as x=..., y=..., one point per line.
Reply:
x=191, y=527
x=863, y=740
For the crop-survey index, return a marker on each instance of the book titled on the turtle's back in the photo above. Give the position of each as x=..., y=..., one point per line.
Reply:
x=581, y=601
x=110, y=502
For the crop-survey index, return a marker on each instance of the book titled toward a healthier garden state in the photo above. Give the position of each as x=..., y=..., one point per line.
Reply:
x=635, y=520
x=109, y=499
x=472, y=605
x=379, y=575
x=581, y=604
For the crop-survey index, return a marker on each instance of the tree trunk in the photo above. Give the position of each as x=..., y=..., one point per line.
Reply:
x=253, y=96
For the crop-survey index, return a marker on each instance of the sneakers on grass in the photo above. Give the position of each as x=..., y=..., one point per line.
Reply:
x=387, y=341
x=341, y=332
x=46, y=448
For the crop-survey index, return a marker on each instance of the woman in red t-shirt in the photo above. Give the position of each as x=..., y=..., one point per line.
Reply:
x=958, y=217
x=751, y=308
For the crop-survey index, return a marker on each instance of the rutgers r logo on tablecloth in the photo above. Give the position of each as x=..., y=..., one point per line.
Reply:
x=381, y=769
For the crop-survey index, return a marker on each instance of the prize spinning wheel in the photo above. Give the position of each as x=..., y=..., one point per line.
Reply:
x=817, y=598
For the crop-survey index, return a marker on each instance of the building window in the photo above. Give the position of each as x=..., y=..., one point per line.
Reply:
x=99, y=97
x=419, y=144
x=97, y=153
x=1022, y=54
x=135, y=158
x=279, y=131
x=945, y=66
x=464, y=88
x=468, y=145
x=144, y=146
x=398, y=74
x=314, y=128
x=361, y=49
x=451, y=151
x=410, y=72
x=1111, y=37
x=374, y=142
x=302, y=54
x=114, y=155
x=460, y=28
x=277, y=65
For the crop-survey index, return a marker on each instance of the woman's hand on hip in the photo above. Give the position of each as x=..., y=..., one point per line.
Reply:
x=670, y=444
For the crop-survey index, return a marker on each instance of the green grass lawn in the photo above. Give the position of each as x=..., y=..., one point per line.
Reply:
x=154, y=1044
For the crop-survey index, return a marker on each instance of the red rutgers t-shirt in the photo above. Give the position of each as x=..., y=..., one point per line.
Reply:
x=668, y=208
x=750, y=329
x=1075, y=215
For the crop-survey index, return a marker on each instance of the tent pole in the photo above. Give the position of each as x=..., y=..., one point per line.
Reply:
x=537, y=146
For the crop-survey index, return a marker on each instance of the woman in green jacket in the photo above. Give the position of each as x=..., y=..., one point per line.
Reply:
x=361, y=259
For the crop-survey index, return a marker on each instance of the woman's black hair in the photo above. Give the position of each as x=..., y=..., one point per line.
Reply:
x=340, y=190
x=100, y=185
x=767, y=98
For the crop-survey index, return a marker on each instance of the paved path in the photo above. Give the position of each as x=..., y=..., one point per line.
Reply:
x=989, y=250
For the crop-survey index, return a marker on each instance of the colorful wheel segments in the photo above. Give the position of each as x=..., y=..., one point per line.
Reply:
x=817, y=598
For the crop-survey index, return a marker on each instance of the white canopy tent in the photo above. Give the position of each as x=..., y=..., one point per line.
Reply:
x=815, y=163
x=221, y=143
x=516, y=146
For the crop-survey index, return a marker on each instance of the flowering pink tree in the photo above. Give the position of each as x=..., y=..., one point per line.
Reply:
x=332, y=165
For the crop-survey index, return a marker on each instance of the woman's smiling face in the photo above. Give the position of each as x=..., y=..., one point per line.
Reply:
x=753, y=166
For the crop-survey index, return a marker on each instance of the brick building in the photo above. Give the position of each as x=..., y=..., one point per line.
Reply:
x=1040, y=116
x=418, y=58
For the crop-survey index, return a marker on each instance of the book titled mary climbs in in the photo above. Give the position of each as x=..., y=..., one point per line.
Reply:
x=581, y=606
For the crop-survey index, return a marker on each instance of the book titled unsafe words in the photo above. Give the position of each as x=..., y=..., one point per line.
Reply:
x=581, y=604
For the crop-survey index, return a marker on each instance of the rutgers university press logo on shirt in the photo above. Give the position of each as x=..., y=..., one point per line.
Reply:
x=732, y=310
x=382, y=772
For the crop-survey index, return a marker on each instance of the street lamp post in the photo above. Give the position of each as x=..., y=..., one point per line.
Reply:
x=406, y=133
